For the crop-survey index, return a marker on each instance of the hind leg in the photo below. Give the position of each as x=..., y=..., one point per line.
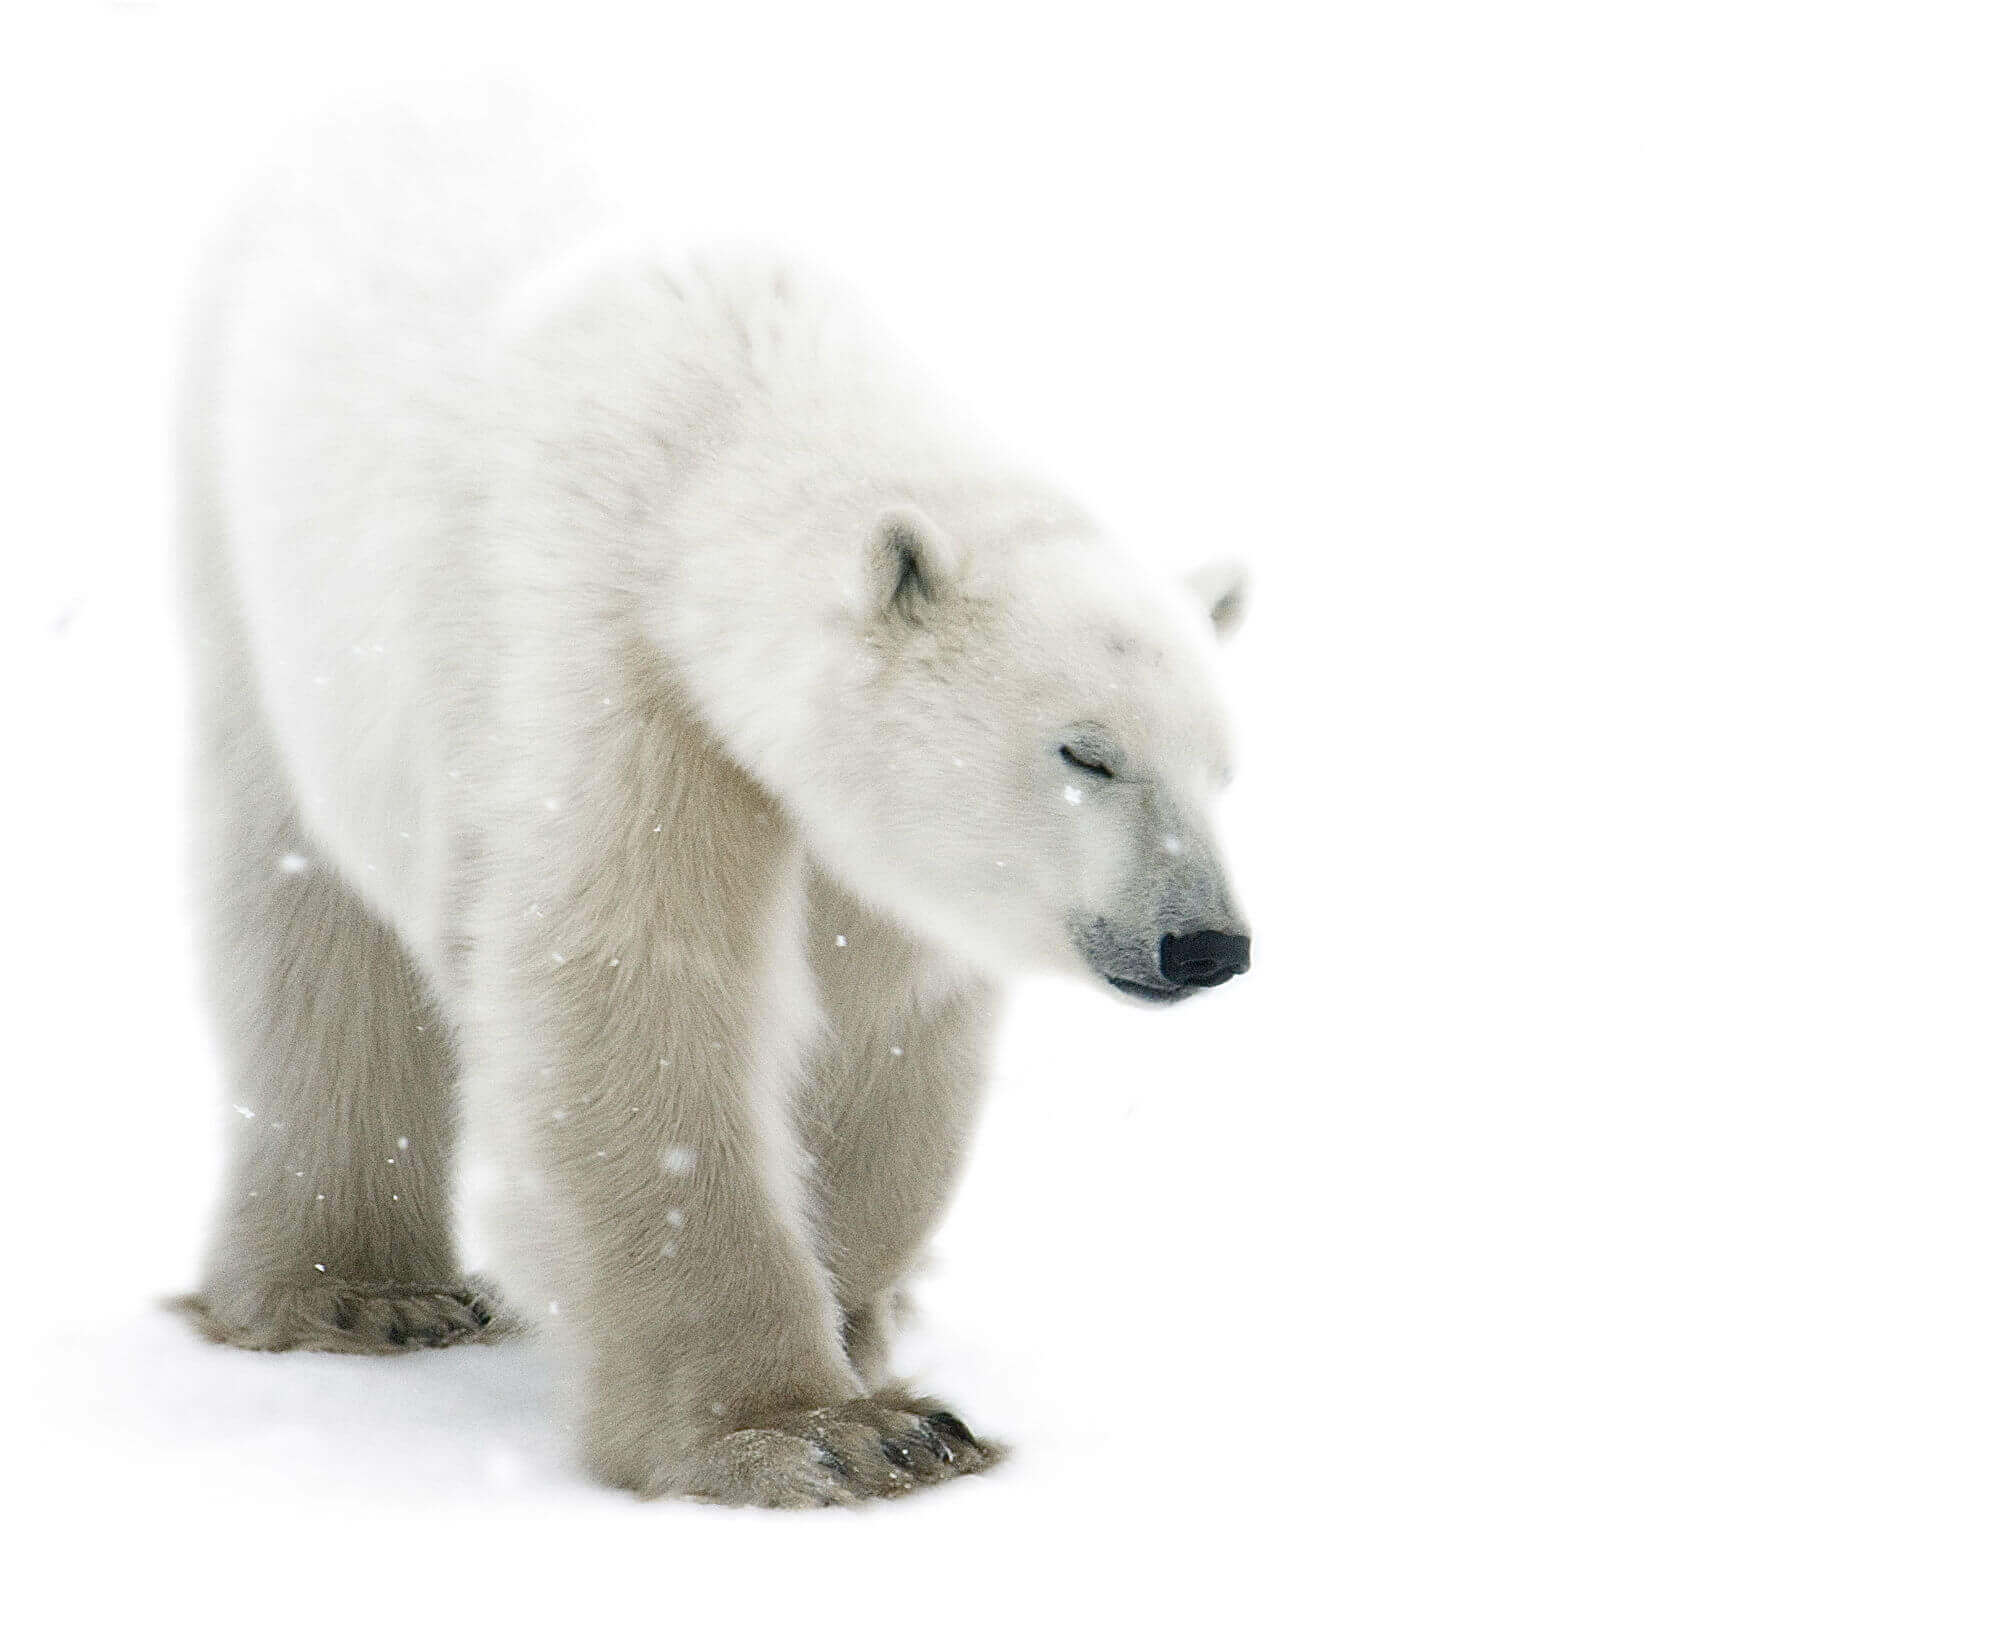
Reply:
x=334, y=1228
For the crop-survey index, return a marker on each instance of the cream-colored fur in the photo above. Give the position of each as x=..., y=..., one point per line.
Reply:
x=638, y=729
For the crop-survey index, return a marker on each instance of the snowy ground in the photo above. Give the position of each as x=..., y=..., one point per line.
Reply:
x=1583, y=1219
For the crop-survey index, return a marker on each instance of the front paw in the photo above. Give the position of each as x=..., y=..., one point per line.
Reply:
x=866, y=1449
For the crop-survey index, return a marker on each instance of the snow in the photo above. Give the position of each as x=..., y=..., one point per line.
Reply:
x=1582, y=1219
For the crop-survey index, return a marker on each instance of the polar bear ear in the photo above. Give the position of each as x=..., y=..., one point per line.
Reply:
x=911, y=562
x=1222, y=588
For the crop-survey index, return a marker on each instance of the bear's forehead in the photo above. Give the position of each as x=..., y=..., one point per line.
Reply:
x=1163, y=700
x=1130, y=646
x=1113, y=645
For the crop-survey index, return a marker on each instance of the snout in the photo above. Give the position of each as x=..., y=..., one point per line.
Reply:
x=1204, y=959
x=1183, y=963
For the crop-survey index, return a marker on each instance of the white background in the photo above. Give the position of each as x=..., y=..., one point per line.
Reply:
x=1583, y=1218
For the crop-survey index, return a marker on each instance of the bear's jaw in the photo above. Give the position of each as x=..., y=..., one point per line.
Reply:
x=1152, y=994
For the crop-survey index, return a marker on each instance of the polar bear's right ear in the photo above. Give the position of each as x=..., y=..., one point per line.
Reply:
x=911, y=563
x=1222, y=588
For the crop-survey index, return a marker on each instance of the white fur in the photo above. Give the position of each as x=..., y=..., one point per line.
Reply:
x=601, y=603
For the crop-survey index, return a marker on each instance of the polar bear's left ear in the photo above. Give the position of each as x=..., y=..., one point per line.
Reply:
x=911, y=562
x=1222, y=588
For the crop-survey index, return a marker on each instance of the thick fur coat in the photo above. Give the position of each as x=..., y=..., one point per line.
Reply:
x=638, y=728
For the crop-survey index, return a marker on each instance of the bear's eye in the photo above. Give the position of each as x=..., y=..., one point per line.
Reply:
x=1078, y=759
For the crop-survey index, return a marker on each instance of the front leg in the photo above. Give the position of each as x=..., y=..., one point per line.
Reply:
x=891, y=1098
x=645, y=1032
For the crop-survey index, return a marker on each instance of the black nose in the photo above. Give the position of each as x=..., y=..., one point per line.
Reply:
x=1206, y=958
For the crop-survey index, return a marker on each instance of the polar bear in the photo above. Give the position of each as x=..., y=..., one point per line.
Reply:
x=637, y=731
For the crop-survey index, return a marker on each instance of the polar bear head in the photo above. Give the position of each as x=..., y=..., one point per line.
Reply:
x=1018, y=752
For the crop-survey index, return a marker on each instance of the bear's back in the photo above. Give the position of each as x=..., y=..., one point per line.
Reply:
x=347, y=326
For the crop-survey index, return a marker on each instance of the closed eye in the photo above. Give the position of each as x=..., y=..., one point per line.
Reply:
x=1084, y=763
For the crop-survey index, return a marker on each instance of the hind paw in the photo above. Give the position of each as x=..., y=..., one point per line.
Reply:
x=334, y=1316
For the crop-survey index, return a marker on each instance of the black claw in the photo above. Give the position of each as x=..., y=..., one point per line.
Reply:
x=899, y=1454
x=397, y=1335
x=945, y=1422
x=936, y=1445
